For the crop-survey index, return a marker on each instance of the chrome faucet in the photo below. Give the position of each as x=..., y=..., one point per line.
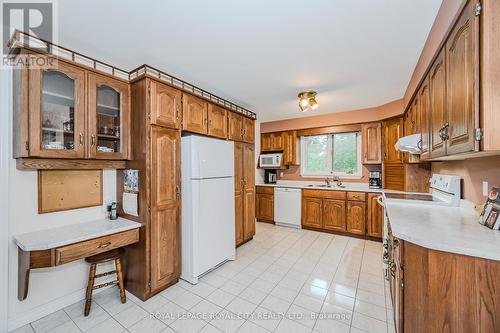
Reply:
x=328, y=182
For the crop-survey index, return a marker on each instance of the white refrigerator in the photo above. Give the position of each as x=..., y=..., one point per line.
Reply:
x=208, y=217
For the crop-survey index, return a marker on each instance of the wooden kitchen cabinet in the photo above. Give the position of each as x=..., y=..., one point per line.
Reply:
x=194, y=114
x=244, y=179
x=438, y=113
x=424, y=100
x=57, y=112
x=312, y=212
x=217, y=121
x=277, y=141
x=235, y=123
x=375, y=219
x=356, y=217
x=166, y=104
x=165, y=207
x=334, y=215
x=290, y=154
x=461, y=83
x=108, y=118
x=266, y=142
x=264, y=204
x=392, y=131
x=372, y=143
x=248, y=126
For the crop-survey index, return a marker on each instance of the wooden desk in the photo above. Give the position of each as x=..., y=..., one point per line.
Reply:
x=58, y=246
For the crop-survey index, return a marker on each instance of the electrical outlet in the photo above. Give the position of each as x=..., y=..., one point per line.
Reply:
x=282, y=174
x=486, y=189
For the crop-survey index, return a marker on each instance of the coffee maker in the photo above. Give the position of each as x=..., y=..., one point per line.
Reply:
x=269, y=176
x=375, y=180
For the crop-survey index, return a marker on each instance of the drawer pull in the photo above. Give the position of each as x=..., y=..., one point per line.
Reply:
x=103, y=245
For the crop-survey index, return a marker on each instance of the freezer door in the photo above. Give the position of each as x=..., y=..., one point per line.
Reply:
x=208, y=157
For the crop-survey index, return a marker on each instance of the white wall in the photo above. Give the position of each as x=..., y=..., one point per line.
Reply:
x=259, y=173
x=50, y=289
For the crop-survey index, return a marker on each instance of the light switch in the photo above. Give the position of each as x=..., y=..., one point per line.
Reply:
x=486, y=189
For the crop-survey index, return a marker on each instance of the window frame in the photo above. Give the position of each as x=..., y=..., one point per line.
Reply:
x=330, y=172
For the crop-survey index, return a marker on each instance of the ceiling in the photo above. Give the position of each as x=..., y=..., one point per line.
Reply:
x=260, y=54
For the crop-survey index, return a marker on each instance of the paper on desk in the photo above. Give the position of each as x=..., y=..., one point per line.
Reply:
x=130, y=203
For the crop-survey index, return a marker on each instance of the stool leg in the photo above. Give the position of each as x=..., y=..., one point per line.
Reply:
x=90, y=287
x=119, y=274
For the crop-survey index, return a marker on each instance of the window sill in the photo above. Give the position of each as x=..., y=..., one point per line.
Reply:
x=330, y=176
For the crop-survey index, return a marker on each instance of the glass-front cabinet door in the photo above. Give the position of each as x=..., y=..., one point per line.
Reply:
x=108, y=119
x=57, y=128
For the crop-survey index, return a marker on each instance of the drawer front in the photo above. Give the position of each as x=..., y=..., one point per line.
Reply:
x=326, y=194
x=356, y=196
x=94, y=246
x=264, y=189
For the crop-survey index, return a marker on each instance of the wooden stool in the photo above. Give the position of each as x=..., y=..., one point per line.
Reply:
x=99, y=259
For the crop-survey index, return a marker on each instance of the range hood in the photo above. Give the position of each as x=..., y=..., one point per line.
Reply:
x=410, y=144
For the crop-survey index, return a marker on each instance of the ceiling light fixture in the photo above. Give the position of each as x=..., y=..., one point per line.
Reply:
x=307, y=100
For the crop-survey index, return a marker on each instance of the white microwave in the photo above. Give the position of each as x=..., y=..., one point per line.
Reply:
x=270, y=161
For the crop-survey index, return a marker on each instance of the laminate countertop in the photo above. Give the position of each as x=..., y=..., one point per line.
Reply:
x=443, y=228
x=60, y=236
x=347, y=187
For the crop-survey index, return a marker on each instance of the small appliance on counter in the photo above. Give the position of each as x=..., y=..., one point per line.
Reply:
x=270, y=161
x=375, y=180
x=270, y=176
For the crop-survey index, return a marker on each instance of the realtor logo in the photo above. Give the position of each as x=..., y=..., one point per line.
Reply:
x=36, y=18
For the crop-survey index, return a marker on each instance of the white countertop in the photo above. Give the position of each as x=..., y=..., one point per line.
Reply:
x=350, y=187
x=443, y=228
x=56, y=237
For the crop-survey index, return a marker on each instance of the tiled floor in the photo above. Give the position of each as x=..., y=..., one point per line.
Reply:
x=299, y=274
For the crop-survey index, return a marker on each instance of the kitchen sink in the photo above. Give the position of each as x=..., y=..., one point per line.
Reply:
x=326, y=186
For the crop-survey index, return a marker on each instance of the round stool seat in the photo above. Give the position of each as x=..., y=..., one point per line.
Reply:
x=105, y=256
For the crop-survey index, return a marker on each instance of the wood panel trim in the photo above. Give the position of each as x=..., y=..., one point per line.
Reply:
x=329, y=130
x=66, y=164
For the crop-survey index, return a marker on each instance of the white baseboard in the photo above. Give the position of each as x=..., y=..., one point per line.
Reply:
x=48, y=308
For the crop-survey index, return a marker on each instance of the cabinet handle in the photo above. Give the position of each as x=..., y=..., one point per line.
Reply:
x=177, y=113
x=103, y=245
x=205, y=121
x=81, y=139
x=178, y=190
x=92, y=140
x=210, y=123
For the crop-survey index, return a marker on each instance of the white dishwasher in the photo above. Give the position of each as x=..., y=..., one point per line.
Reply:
x=287, y=207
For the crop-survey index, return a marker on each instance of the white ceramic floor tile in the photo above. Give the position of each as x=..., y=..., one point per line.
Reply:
x=110, y=325
x=302, y=316
x=51, y=321
x=265, y=318
x=147, y=324
x=187, y=300
x=253, y=295
x=188, y=325
x=233, y=287
x=368, y=324
x=370, y=297
x=131, y=315
x=220, y=298
x=67, y=327
x=370, y=310
x=275, y=304
x=343, y=289
x=153, y=304
x=169, y=313
x=343, y=301
x=227, y=322
x=289, y=326
x=96, y=316
x=172, y=292
x=284, y=293
x=241, y=307
x=308, y=302
x=249, y=327
x=203, y=289
x=24, y=329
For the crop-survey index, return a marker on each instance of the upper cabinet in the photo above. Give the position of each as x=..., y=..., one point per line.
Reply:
x=437, y=107
x=461, y=77
x=166, y=103
x=108, y=117
x=235, y=126
x=290, y=153
x=67, y=112
x=372, y=143
x=57, y=112
x=266, y=142
x=393, y=130
x=424, y=102
x=248, y=126
x=194, y=114
x=217, y=121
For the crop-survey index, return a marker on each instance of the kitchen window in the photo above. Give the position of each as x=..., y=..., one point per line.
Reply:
x=331, y=155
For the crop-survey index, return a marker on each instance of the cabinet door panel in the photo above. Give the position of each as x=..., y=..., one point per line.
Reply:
x=165, y=104
x=248, y=130
x=238, y=191
x=235, y=126
x=312, y=212
x=334, y=215
x=356, y=215
x=217, y=121
x=266, y=142
x=264, y=207
x=277, y=141
x=375, y=216
x=194, y=114
x=438, y=114
x=249, y=190
x=165, y=203
x=108, y=118
x=372, y=142
x=461, y=62
x=424, y=118
x=249, y=217
x=393, y=130
x=290, y=148
x=57, y=112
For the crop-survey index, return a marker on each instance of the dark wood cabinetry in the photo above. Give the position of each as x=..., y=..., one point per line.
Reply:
x=334, y=217
x=375, y=219
x=272, y=141
x=438, y=114
x=312, y=212
x=290, y=155
x=264, y=204
x=244, y=180
x=235, y=122
x=372, y=143
x=266, y=142
x=217, y=121
x=356, y=217
x=194, y=114
x=393, y=130
x=248, y=126
x=424, y=103
x=166, y=103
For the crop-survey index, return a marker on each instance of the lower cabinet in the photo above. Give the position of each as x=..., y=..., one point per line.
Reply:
x=356, y=217
x=264, y=204
x=342, y=212
x=244, y=191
